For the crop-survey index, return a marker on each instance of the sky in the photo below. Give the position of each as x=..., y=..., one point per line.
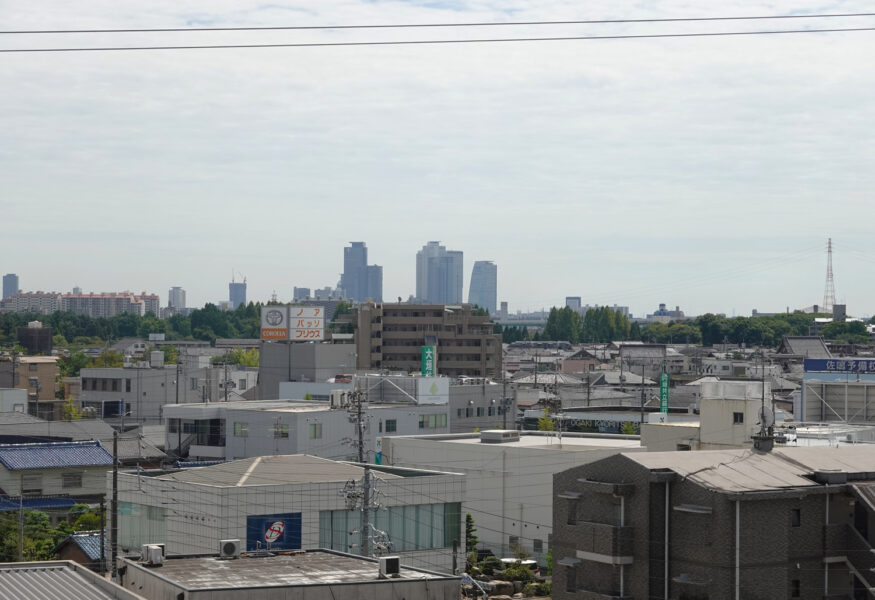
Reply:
x=703, y=172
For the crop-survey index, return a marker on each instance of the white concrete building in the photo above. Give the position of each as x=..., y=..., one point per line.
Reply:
x=314, y=499
x=234, y=430
x=509, y=482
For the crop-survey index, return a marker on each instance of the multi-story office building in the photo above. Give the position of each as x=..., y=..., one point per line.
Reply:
x=573, y=302
x=10, y=284
x=360, y=281
x=391, y=336
x=300, y=293
x=236, y=294
x=483, y=290
x=438, y=274
x=109, y=305
x=176, y=298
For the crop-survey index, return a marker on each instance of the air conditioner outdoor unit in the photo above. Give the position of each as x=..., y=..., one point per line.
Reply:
x=152, y=555
x=229, y=549
x=390, y=566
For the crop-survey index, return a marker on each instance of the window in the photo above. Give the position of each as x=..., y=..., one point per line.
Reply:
x=513, y=542
x=193, y=383
x=127, y=385
x=796, y=517
x=469, y=412
x=459, y=413
x=432, y=421
x=31, y=367
x=241, y=385
x=479, y=411
x=538, y=546
x=684, y=447
x=391, y=425
x=795, y=589
x=315, y=431
x=173, y=425
x=241, y=429
x=114, y=384
x=31, y=485
x=380, y=430
x=737, y=418
x=71, y=480
x=491, y=411
x=280, y=431
x=571, y=579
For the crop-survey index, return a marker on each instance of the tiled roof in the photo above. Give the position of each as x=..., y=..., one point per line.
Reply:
x=88, y=542
x=17, y=457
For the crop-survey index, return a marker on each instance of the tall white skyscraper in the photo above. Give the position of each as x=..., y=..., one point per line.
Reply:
x=176, y=297
x=483, y=290
x=439, y=274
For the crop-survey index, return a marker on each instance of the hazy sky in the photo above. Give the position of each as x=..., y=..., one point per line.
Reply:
x=701, y=172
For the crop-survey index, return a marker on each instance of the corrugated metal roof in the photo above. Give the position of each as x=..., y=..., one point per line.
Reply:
x=56, y=581
x=17, y=457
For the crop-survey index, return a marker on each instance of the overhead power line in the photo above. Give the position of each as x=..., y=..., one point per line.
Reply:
x=436, y=25
x=427, y=42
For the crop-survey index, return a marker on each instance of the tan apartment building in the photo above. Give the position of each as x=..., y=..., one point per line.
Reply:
x=391, y=337
x=39, y=376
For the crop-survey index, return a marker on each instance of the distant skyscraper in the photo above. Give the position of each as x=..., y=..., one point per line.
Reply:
x=359, y=280
x=573, y=302
x=176, y=297
x=439, y=274
x=10, y=284
x=483, y=290
x=236, y=294
x=300, y=293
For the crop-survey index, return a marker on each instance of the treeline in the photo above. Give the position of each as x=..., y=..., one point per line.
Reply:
x=207, y=324
x=605, y=325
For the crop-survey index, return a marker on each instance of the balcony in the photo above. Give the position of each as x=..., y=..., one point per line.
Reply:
x=607, y=544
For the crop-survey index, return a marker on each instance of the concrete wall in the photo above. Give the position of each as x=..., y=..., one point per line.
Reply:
x=13, y=400
x=507, y=488
x=280, y=361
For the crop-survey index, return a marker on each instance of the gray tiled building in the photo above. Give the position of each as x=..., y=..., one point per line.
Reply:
x=793, y=523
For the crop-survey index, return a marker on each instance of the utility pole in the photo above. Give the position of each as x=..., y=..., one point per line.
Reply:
x=179, y=421
x=114, y=508
x=356, y=402
x=20, y=518
x=226, y=381
x=102, y=536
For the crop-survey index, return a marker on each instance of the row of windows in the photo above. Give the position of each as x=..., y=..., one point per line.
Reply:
x=32, y=484
x=432, y=421
x=280, y=430
x=391, y=426
x=489, y=411
x=101, y=384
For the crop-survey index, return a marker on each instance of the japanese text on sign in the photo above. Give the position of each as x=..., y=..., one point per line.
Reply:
x=840, y=365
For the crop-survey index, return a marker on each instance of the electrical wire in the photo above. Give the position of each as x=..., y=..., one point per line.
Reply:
x=438, y=25
x=438, y=42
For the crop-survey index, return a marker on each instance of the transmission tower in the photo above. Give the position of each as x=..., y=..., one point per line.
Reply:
x=829, y=292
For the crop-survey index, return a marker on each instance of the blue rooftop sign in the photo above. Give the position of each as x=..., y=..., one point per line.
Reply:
x=839, y=365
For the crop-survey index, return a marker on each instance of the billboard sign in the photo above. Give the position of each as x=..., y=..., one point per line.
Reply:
x=296, y=323
x=663, y=393
x=429, y=361
x=433, y=390
x=274, y=322
x=839, y=365
x=281, y=531
x=307, y=323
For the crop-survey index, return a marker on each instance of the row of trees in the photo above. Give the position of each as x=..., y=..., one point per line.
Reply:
x=40, y=538
x=605, y=325
x=207, y=323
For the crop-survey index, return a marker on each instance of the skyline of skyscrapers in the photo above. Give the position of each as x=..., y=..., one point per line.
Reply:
x=10, y=284
x=360, y=281
x=483, y=289
x=439, y=276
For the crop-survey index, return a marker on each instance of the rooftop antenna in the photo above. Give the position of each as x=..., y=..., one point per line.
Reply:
x=764, y=439
x=829, y=292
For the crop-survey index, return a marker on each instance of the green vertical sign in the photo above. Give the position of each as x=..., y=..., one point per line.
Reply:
x=428, y=360
x=663, y=393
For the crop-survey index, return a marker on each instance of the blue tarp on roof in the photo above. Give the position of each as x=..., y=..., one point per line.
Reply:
x=56, y=455
x=7, y=504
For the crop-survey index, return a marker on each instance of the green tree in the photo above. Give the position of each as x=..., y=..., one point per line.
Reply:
x=471, y=538
x=545, y=422
x=171, y=354
x=70, y=366
x=71, y=411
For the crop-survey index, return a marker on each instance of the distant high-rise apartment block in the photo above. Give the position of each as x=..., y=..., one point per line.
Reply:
x=10, y=284
x=236, y=294
x=176, y=298
x=503, y=310
x=483, y=290
x=43, y=303
x=438, y=274
x=573, y=302
x=109, y=305
x=300, y=293
x=359, y=280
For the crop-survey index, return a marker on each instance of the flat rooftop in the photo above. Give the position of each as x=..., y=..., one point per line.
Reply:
x=530, y=439
x=298, y=569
